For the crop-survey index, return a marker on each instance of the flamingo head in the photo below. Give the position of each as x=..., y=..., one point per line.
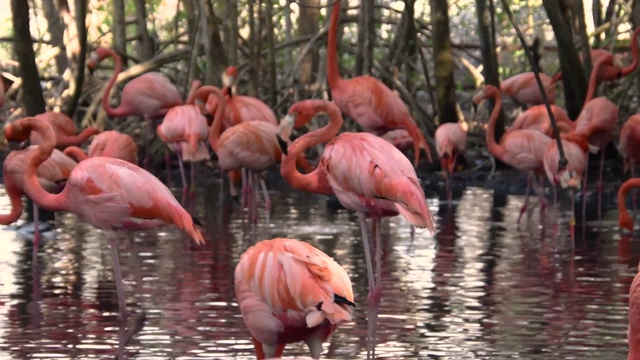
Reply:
x=96, y=57
x=625, y=221
x=485, y=93
x=229, y=76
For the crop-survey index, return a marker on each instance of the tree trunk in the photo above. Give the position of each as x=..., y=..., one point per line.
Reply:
x=120, y=30
x=190, y=11
x=578, y=17
x=573, y=78
x=271, y=50
x=308, y=25
x=56, y=30
x=232, y=22
x=288, y=29
x=443, y=60
x=213, y=48
x=145, y=43
x=253, y=73
x=402, y=38
x=78, y=66
x=366, y=37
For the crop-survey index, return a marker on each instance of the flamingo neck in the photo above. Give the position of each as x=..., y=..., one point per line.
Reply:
x=35, y=157
x=15, y=197
x=622, y=195
x=78, y=139
x=496, y=149
x=117, y=68
x=216, y=128
x=593, y=80
x=333, y=72
x=76, y=153
x=634, y=53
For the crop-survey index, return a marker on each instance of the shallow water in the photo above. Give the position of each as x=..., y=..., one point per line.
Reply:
x=479, y=288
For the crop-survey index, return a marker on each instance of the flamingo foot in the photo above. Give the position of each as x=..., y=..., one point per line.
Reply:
x=522, y=211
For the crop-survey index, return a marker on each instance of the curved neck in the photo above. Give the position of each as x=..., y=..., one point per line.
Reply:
x=634, y=53
x=316, y=181
x=75, y=152
x=63, y=142
x=35, y=157
x=15, y=197
x=333, y=72
x=593, y=80
x=117, y=67
x=216, y=128
x=622, y=195
x=191, y=98
x=496, y=149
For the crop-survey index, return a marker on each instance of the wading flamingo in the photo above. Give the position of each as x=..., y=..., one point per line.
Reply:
x=109, y=144
x=50, y=174
x=150, y=95
x=629, y=146
x=365, y=172
x=523, y=88
x=451, y=141
x=110, y=194
x=366, y=100
x=522, y=149
x=633, y=333
x=576, y=151
x=66, y=133
x=624, y=220
x=537, y=118
x=289, y=291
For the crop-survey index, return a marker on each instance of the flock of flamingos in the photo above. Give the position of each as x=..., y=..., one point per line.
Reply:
x=287, y=290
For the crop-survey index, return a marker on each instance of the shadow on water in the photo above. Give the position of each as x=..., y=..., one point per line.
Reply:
x=480, y=287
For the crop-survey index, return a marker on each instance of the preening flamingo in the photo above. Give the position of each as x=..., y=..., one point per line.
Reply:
x=576, y=151
x=150, y=95
x=537, y=118
x=289, y=291
x=111, y=194
x=367, y=100
x=66, y=133
x=50, y=174
x=633, y=333
x=624, y=220
x=365, y=172
x=109, y=144
x=451, y=141
x=522, y=149
x=523, y=88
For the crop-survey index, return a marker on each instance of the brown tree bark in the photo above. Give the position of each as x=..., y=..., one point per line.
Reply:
x=271, y=50
x=56, y=30
x=232, y=23
x=119, y=30
x=253, y=58
x=213, y=48
x=366, y=37
x=145, y=43
x=308, y=25
x=443, y=60
x=78, y=66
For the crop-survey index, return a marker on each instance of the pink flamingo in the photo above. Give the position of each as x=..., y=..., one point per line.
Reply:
x=624, y=220
x=451, y=141
x=399, y=138
x=629, y=146
x=150, y=95
x=523, y=88
x=110, y=144
x=289, y=291
x=522, y=149
x=537, y=118
x=576, y=151
x=633, y=334
x=366, y=173
x=66, y=133
x=366, y=100
x=111, y=194
x=50, y=174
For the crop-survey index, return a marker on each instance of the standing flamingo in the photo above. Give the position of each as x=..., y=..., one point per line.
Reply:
x=633, y=333
x=50, y=173
x=576, y=151
x=289, y=291
x=111, y=194
x=624, y=220
x=522, y=149
x=451, y=141
x=524, y=89
x=630, y=143
x=537, y=118
x=109, y=144
x=367, y=100
x=65, y=130
x=150, y=95
x=366, y=173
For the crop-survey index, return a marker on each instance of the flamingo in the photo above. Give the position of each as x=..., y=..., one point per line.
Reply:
x=624, y=220
x=522, y=149
x=399, y=138
x=633, y=334
x=576, y=151
x=523, y=88
x=65, y=130
x=111, y=194
x=150, y=95
x=110, y=143
x=289, y=291
x=537, y=118
x=366, y=100
x=50, y=174
x=630, y=143
x=365, y=172
x=451, y=141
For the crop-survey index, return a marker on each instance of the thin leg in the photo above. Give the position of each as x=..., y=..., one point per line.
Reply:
x=572, y=221
x=245, y=188
x=367, y=250
x=600, y=185
x=36, y=234
x=584, y=192
x=526, y=198
x=555, y=196
x=124, y=314
x=182, y=176
x=267, y=200
x=167, y=161
x=254, y=196
x=149, y=137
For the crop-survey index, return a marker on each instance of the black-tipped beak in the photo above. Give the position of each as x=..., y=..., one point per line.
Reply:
x=209, y=118
x=475, y=107
x=19, y=145
x=196, y=221
x=342, y=300
x=283, y=144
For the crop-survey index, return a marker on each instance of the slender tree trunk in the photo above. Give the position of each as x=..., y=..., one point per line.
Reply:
x=308, y=25
x=78, y=66
x=145, y=44
x=56, y=30
x=401, y=38
x=119, y=30
x=214, y=50
x=443, y=60
x=253, y=73
x=575, y=83
x=190, y=10
x=366, y=37
x=232, y=23
x=578, y=18
x=273, y=86
x=288, y=29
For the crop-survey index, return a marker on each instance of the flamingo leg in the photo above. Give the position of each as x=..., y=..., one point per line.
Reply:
x=254, y=196
x=259, y=350
x=122, y=304
x=267, y=200
x=182, y=176
x=167, y=161
x=36, y=233
x=555, y=196
x=572, y=221
x=367, y=250
x=584, y=192
x=526, y=198
x=538, y=187
x=600, y=184
x=149, y=137
x=245, y=188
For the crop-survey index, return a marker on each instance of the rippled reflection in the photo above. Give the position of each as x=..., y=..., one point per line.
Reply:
x=480, y=287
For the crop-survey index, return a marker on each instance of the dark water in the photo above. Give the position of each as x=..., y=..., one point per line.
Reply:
x=480, y=288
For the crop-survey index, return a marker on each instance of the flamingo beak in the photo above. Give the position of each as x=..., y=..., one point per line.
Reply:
x=19, y=145
x=283, y=144
x=284, y=132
